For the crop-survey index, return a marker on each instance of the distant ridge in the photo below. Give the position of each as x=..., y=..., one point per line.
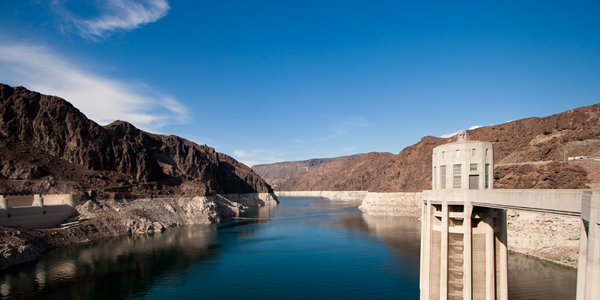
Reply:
x=528, y=153
x=276, y=173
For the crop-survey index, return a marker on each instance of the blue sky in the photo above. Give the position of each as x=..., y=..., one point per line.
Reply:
x=267, y=81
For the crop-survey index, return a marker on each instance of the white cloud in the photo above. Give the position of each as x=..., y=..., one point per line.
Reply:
x=114, y=15
x=241, y=153
x=100, y=99
x=449, y=135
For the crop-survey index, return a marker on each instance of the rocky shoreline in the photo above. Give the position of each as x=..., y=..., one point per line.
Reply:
x=101, y=219
x=549, y=237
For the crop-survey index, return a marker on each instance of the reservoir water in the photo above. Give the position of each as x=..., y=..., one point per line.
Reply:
x=305, y=248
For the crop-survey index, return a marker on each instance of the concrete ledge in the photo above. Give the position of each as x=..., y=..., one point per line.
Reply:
x=36, y=216
x=563, y=202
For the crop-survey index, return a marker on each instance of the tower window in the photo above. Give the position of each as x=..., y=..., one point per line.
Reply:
x=443, y=177
x=487, y=176
x=434, y=176
x=457, y=177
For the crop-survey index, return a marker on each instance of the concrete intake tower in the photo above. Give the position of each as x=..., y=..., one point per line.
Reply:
x=463, y=226
x=465, y=245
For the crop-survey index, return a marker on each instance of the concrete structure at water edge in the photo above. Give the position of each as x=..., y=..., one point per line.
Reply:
x=37, y=211
x=463, y=235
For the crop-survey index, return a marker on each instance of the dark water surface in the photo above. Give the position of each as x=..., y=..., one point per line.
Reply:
x=310, y=248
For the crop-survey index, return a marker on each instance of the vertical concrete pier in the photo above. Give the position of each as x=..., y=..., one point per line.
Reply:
x=464, y=253
x=463, y=235
x=3, y=202
x=38, y=200
x=588, y=270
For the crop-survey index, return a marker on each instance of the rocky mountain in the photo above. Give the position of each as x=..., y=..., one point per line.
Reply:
x=276, y=173
x=49, y=146
x=528, y=153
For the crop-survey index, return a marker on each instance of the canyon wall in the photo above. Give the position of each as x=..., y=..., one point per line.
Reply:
x=131, y=181
x=528, y=153
x=46, y=139
x=392, y=204
x=276, y=173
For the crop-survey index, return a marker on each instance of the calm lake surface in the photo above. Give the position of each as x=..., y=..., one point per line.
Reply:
x=310, y=248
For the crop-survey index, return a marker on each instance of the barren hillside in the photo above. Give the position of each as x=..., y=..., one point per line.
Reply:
x=49, y=146
x=528, y=153
x=276, y=173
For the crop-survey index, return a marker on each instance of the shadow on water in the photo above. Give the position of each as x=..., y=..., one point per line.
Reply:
x=303, y=248
x=112, y=268
x=122, y=267
x=532, y=278
x=529, y=277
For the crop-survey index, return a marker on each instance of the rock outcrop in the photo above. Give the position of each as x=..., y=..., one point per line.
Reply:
x=44, y=138
x=540, y=176
x=533, y=140
x=549, y=237
x=18, y=246
x=132, y=181
x=101, y=219
x=392, y=204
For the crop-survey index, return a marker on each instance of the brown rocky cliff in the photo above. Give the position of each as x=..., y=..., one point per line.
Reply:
x=544, y=142
x=54, y=126
x=572, y=133
x=276, y=173
x=350, y=174
x=118, y=157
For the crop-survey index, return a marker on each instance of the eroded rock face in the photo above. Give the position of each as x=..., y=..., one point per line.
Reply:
x=158, y=214
x=410, y=171
x=46, y=138
x=572, y=133
x=17, y=246
x=540, y=176
x=276, y=173
x=100, y=219
x=550, y=237
x=392, y=204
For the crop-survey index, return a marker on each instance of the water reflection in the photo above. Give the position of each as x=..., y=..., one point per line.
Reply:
x=401, y=234
x=303, y=248
x=115, y=268
x=531, y=278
